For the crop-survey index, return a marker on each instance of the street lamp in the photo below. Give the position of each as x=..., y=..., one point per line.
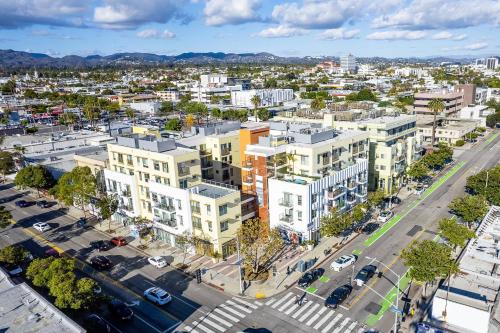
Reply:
x=397, y=293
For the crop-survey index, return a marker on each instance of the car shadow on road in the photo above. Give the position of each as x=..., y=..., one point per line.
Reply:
x=46, y=216
x=11, y=198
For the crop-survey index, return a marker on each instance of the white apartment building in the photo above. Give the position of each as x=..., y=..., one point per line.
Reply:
x=268, y=97
x=213, y=80
x=203, y=94
x=348, y=63
x=476, y=112
x=145, y=107
x=171, y=95
x=492, y=63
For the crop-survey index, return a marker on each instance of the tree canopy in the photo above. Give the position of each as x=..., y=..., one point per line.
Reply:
x=35, y=176
x=470, y=208
x=13, y=254
x=6, y=162
x=455, y=234
x=5, y=217
x=173, y=125
x=477, y=184
x=335, y=223
x=76, y=187
x=418, y=170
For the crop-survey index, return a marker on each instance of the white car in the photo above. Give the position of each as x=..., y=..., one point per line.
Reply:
x=385, y=216
x=419, y=189
x=157, y=295
x=41, y=226
x=343, y=262
x=157, y=261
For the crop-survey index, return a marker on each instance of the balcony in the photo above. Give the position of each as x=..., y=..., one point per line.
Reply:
x=164, y=206
x=195, y=209
x=248, y=181
x=169, y=222
x=335, y=194
x=183, y=171
x=128, y=208
x=225, y=151
x=247, y=166
x=207, y=165
x=335, y=158
x=362, y=180
x=326, y=161
x=126, y=193
x=351, y=199
x=351, y=185
x=286, y=218
x=205, y=152
x=285, y=202
x=355, y=149
x=362, y=194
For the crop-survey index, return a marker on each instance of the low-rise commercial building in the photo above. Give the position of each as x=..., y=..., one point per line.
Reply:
x=453, y=102
x=268, y=97
x=448, y=130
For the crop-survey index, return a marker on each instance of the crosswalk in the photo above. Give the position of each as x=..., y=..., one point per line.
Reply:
x=315, y=315
x=223, y=317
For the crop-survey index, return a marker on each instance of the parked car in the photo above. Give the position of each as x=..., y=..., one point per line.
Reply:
x=369, y=228
x=81, y=222
x=41, y=226
x=101, y=263
x=96, y=324
x=338, y=296
x=385, y=216
x=395, y=200
x=118, y=241
x=100, y=245
x=157, y=295
x=343, y=262
x=309, y=277
x=419, y=189
x=51, y=253
x=14, y=270
x=365, y=274
x=157, y=261
x=22, y=203
x=43, y=204
x=120, y=310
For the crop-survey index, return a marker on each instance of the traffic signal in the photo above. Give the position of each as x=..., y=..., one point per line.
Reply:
x=198, y=275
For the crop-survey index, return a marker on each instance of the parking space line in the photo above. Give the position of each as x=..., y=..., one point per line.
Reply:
x=324, y=279
x=304, y=290
x=150, y=325
x=113, y=326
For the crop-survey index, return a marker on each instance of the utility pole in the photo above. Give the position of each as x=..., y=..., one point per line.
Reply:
x=239, y=263
x=487, y=176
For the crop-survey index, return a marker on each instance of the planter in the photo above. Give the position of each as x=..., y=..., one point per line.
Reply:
x=215, y=260
x=310, y=247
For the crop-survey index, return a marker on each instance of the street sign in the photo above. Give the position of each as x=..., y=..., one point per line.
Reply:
x=394, y=309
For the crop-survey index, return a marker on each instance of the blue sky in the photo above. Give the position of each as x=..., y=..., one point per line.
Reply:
x=389, y=28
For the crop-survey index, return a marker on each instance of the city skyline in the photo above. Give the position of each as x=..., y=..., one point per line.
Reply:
x=391, y=28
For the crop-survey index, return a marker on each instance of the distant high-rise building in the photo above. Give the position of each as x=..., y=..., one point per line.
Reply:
x=348, y=63
x=492, y=63
x=479, y=61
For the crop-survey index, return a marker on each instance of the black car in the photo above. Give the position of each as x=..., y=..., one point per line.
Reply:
x=100, y=245
x=120, y=310
x=81, y=222
x=43, y=204
x=310, y=277
x=96, y=324
x=396, y=200
x=101, y=263
x=370, y=228
x=22, y=203
x=365, y=274
x=338, y=296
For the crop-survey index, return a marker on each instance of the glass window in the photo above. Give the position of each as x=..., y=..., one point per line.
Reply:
x=224, y=225
x=299, y=200
x=156, y=165
x=144, y=162
x=223, y=209
x=196, y=222
x=209, y=226
x=164, y=167
x=299, y=215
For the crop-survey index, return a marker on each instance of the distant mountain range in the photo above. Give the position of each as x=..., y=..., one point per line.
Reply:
x=10, y=59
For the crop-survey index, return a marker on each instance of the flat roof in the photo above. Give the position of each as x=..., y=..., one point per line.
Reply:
x=212, y=190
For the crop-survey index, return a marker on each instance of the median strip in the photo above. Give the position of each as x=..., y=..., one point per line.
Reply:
x=491, y=138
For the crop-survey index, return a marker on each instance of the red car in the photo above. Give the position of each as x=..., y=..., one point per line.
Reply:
x=119, y=241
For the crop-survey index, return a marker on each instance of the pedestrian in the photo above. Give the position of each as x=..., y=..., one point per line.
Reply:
x=297, y=299
x=287, y=270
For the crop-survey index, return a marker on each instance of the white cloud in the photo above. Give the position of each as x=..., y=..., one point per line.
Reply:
x=397, y=35
x=459, y=37
x=439, y=14
x=153, y=33
x=448, y=35
x=281, y=31
x=476, y=46
x=223, y=12
x=127, y=14
x=340, y=33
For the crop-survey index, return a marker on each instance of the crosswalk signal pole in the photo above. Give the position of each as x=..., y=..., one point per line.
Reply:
x=239, y=263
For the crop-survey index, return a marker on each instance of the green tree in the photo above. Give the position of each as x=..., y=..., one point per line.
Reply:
x=264, y=114
x=256, y=101
x=30, y=94
x=173, y=125
x=334, y=223
x=108, y=205
x=76, y=187
x=470, y=208
x=270, y=83
x=6, y=163
x=417, y=171
x=9, y=87
x=41, y=271
x=436, y=105
x=13, y=255
x=35, y=176
x=143, y=227
x=318, y=104
x=5, y=217
x=166, y=108
x=428, y=261
x=375, y=198
x=455, y=234
x=258, y=244
x=130, y=113
x=487, y=184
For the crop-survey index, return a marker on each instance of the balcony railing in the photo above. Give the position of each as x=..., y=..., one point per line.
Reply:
x=205, y=152
x=183, y=171
x=285, y=202
x=351, y=199
x=170, y=222
x=362, y=180
x=247, y=181
x=164, y=206
x=126, y=193
x=361, y=193
x=286, y=218
x=355, y=150
x=225, y=151
x=196, y=209
x=326, y=161
x=207, y=164
x=336, y=193
x=128, y=208
x=335, y=158
x=247, y=165
x=351, y=185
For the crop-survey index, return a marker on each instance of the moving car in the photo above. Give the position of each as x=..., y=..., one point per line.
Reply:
x=157, y=295
x=338, y=296
x=365, y=274
x=100, y=245
x=419, y=189
x=43, y=204
x=101, y=263
x=119, y=241
x=41, y=226
x=81, y=222
x=22, y=203
x=120, y=310
x=157, y=261
x=310, y=277
x=94, y=323
x=369, y=228
x=385, y=216
x=343, y=262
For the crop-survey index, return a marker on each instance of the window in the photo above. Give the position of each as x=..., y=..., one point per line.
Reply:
x=196, y=222
x=224, y=225
x=183, y=183
x=164, y=167
x=146, y=177
x=209, y=226
x=299, y=215
x=120, y=158
x=179, y=205
x=382, y=167
x=156, y=165
x=223, y=209
x=304, y=160
x=114, y=156
x=209, y=210
x=130, y=160
x=299, y=200
x=144, y=162
x=158, y=179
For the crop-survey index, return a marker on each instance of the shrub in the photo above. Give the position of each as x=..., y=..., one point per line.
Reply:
x=459, y=143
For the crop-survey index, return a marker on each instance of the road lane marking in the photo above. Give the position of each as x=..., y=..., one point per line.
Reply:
x=333, y=322
x=305, y=290
x=227, y=315
x=190, y=329
x=281, y=300
x=201, y=327
x=205, y=320
x=270, y=301
x=287, y=304
x=258, y=303
x=316, y=316
x=351, y=327
x=238, y=306
x=220, y=320
x=296, y=305
x=245, y=303
x=302, y=309
x=308, y=313
x=339, y=328
x=224, y=306
x=147, y=323
x=325, y=318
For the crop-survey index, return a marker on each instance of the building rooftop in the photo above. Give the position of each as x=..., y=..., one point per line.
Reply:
x=152, y=143
x=213, y=189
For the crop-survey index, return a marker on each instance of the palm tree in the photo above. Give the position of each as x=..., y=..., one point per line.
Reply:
x=129, y=112
x=256, y=103
x=290, y=157
x=318, y=104
x=435, y=105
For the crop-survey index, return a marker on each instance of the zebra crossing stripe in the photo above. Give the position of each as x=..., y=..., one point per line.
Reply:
x=270, y=301
x=258, y=303
x=245, y=303
x=361, y=330
x=308, y=313
x=281, y=300
x=211, y=323
x=227, y=315
x=238, y=306
x=338, y=329
x=201, y=327
x=333, y=322
x=233, y=311
x=287, y=304
x=316, y=316
x=190, y=329
x=351, y=327
x=220, y=320
x=325, y=318
x=296, y=314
